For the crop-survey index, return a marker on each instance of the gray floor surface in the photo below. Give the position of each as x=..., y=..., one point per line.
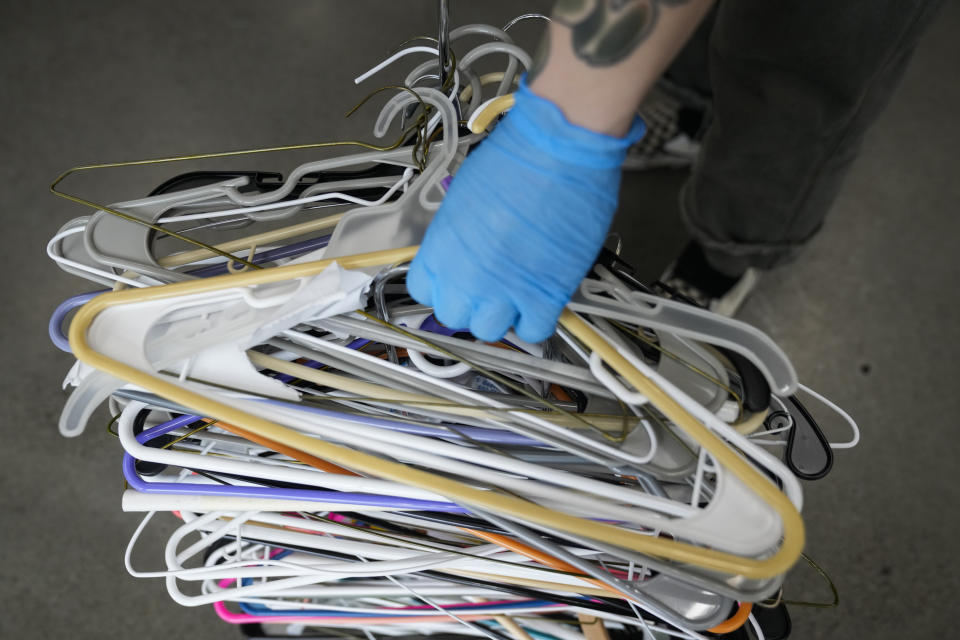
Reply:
x=869, y=313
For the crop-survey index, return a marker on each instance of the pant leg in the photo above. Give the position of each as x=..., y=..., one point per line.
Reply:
x=690, y=69
x=796, y=84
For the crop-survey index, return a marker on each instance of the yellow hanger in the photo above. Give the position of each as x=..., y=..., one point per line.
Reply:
x=485, y=79
x=793, y=530
x=510, y=506
x=487, y=112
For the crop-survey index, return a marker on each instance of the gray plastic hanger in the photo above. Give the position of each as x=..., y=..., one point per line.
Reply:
x=688, y=321
x=428, y=69
x=121, y=244
x=404, y=221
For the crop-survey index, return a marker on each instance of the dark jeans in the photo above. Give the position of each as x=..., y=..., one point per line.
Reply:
x=795, y=85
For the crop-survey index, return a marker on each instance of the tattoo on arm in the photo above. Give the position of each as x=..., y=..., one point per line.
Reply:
x=607, y=31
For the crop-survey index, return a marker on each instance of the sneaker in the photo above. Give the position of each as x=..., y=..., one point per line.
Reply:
x=675, y=120
x=693, y=280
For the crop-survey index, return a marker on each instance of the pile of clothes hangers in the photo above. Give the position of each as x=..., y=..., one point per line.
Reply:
x=344, y=464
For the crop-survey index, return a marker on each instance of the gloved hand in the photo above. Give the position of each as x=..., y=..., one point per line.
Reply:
x=521, y=224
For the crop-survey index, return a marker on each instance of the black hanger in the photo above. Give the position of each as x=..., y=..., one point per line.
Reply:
x=809, y=455
x=756, y=390
x=775, y=621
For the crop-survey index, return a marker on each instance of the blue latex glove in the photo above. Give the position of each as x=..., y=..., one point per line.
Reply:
x=521, y=224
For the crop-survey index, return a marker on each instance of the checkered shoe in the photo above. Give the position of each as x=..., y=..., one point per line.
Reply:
x=693, y=280
x=675, y=119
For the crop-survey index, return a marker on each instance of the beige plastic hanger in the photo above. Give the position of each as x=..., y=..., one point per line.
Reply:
x=777, y=563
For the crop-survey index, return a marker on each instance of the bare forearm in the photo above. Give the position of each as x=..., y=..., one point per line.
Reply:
x=600, y=57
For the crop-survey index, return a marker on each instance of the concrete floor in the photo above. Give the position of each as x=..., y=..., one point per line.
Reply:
x=870, y=313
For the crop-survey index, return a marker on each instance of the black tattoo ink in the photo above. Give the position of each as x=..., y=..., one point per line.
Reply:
x=607, y=31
